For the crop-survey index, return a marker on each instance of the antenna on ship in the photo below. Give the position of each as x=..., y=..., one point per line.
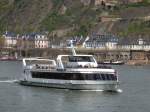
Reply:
x=72, y=47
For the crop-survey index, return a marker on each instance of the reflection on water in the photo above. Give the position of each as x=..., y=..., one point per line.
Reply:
x=16, y=98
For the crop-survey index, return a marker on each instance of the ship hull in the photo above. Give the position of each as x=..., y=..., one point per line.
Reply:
x=104, y=86
x=75, y=79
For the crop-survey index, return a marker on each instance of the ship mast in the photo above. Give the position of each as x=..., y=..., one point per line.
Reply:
x=72, y=48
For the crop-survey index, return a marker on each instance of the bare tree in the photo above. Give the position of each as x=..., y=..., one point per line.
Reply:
x=19, y=45
x=2, y=42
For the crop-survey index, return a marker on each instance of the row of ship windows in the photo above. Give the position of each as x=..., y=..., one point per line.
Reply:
x=71, y=76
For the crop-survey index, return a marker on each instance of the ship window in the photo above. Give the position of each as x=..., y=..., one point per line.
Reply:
x=80, y=77
x=87, y=77
x=80, y=59
x=113, y=77
x=75, y=76
x=97, y=77
x=90, y=77
x=100, y=76
x=103, y=76
x=108, y=77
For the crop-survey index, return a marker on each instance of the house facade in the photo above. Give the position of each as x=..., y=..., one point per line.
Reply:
x=41, y=41
x=134, y=44
x=10, y=39
x=28, y=41
x=25, y=41
x=31, y=41
x=115, y=2
x=105, y=41
x=130, y=1
x=107, y=2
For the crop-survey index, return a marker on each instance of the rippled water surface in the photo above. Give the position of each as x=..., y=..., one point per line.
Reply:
x=135, y=83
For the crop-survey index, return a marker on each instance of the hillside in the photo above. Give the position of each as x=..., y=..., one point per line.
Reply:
x=135, y=20
x=23, y=15
x=73, y=17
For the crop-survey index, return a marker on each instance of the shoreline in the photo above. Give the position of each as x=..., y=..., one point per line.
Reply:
x=138, y=62
x=129, y=62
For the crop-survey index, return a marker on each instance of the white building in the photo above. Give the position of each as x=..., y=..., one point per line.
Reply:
x=10, y=39
x=134, y=44
x=101, y=42
x=41, y=41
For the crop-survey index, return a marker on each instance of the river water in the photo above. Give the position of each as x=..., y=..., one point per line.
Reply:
x=135, y=83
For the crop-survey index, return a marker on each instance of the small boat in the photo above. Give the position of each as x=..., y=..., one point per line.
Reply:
x=117, y=62
x=8, y=58
x=76, y=71
x=3, y=58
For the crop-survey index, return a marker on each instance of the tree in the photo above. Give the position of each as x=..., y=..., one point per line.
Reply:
x=2, y=42
x=19, y=45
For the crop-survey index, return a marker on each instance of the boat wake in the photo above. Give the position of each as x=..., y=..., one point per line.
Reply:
x=117, y=91
x=93, y=90
x=8, y=81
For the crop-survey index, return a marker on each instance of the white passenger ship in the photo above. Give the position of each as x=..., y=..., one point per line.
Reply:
x=79, y=72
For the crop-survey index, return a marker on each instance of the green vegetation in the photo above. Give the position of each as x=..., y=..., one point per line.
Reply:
x=2, y=40
x=137, y=28
x=140, y=4
x=77, y=16
x=23, y=16
x=54, y=21
x=57, y=3
x=132, y=6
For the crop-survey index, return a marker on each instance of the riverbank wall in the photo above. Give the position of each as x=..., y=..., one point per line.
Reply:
x=130, y=57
